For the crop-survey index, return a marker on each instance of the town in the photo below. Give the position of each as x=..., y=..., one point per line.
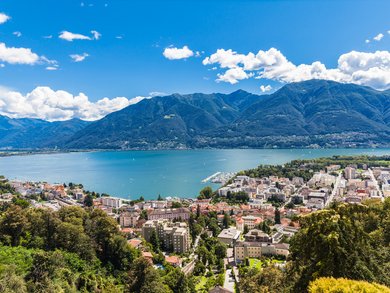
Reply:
x=246, y=223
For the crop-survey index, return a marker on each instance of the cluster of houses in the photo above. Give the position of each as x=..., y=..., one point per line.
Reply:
x=358, y=184
x=52, y=196
x=255, y=243
x=169, y=217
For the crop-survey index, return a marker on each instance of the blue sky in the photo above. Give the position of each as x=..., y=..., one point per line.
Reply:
x=127, y=59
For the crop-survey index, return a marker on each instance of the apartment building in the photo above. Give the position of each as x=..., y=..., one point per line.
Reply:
x=173, y=236
x=113, y=202
x=170, y=214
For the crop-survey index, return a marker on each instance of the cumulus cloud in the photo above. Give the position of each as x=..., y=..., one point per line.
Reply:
x=371, y=69
x=14, y=55
x=173, y=53
x=266, y=88
x=233, y=75
x=45, y=103
x=79, y=57
x=378, y=37
x=69, y=36
x=3, y=18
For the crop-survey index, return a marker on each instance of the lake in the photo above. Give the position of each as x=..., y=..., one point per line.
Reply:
x=130, y=174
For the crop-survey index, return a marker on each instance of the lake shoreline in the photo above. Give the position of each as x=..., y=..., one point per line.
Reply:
x=9, y=153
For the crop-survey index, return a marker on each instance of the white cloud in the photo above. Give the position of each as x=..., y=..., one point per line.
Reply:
x=79, y=57
x=378, y=37
x=371, y=69
x=47, y=37
x=3, y=18
x=157, y=94
x=14, y=55
x=96, y=35
x=367, y=41
x=69, y=36
x=51, y=68
x=266, y=88
x=233, y=75
x=18, y=34
x=45, y=103
x=173, y=53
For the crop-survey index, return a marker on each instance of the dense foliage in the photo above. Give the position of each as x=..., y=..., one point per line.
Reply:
x=342, y=285
x=75, y=250
x=349, y=241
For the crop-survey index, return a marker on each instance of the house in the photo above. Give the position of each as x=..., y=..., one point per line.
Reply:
x=250, y=221
x=135, y=243
x=174, y=260
x=148, y=256
x=229, y=236
x=256, y=235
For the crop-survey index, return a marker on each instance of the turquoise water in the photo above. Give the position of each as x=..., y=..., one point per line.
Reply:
x=149, y=173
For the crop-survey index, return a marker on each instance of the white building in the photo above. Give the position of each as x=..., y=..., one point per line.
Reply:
x=113, y=202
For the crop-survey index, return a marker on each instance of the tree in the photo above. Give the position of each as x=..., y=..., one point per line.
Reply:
x=143, y=278
x=246, y=229
x=269, y=279
x=159, y=198
x=176, y=204
x=199, y=269
x=220, y=250
x=226, y=220
x=154, y=241
x=12, y=225
x=141, y=198
x=10, y=281
x=334, y=243
x=88, y=200
x=143, y=215
x=277, y=216
x=197, y=211
x=264, y=226
x=205, y=193
x=344, y=285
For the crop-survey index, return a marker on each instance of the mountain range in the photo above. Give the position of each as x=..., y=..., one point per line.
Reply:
x=311, y=113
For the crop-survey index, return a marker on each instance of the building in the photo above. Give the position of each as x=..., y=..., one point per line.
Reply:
x=244, y=249
x=349, y=173
x=250, y=221
x=113, y=202
x=229, y=236
x=256, y=235
x=129, y=219
x=177, y=213
x=173, y=236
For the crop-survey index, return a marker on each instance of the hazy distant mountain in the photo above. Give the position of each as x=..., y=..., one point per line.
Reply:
x=310, y=113
x=36, y=133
